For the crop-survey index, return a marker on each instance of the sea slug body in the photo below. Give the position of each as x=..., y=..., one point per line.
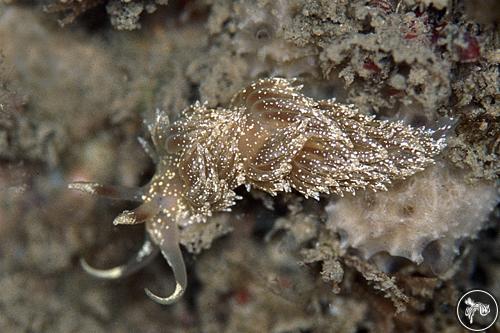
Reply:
x=270, y=137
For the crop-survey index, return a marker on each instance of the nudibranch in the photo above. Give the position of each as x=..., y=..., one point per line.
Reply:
x=270, y=137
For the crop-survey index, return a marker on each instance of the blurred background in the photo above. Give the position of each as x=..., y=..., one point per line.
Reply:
x=78, y=78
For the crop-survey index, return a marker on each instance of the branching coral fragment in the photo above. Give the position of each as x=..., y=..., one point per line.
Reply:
x=380, y=281
x=270, y=137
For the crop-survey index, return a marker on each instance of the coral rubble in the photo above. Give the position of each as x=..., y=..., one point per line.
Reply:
x=436, y=205
x=72, y=104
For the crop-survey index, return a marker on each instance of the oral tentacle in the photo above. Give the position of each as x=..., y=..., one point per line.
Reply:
x=163, y=231
x=113, y=192
x=145, y=255
x=138, y=215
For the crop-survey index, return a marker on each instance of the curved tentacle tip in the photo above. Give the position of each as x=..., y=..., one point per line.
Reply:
x=174, y=297
x=164, y=232
x=146, y=254
x=108, y=274
x=174, y=258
